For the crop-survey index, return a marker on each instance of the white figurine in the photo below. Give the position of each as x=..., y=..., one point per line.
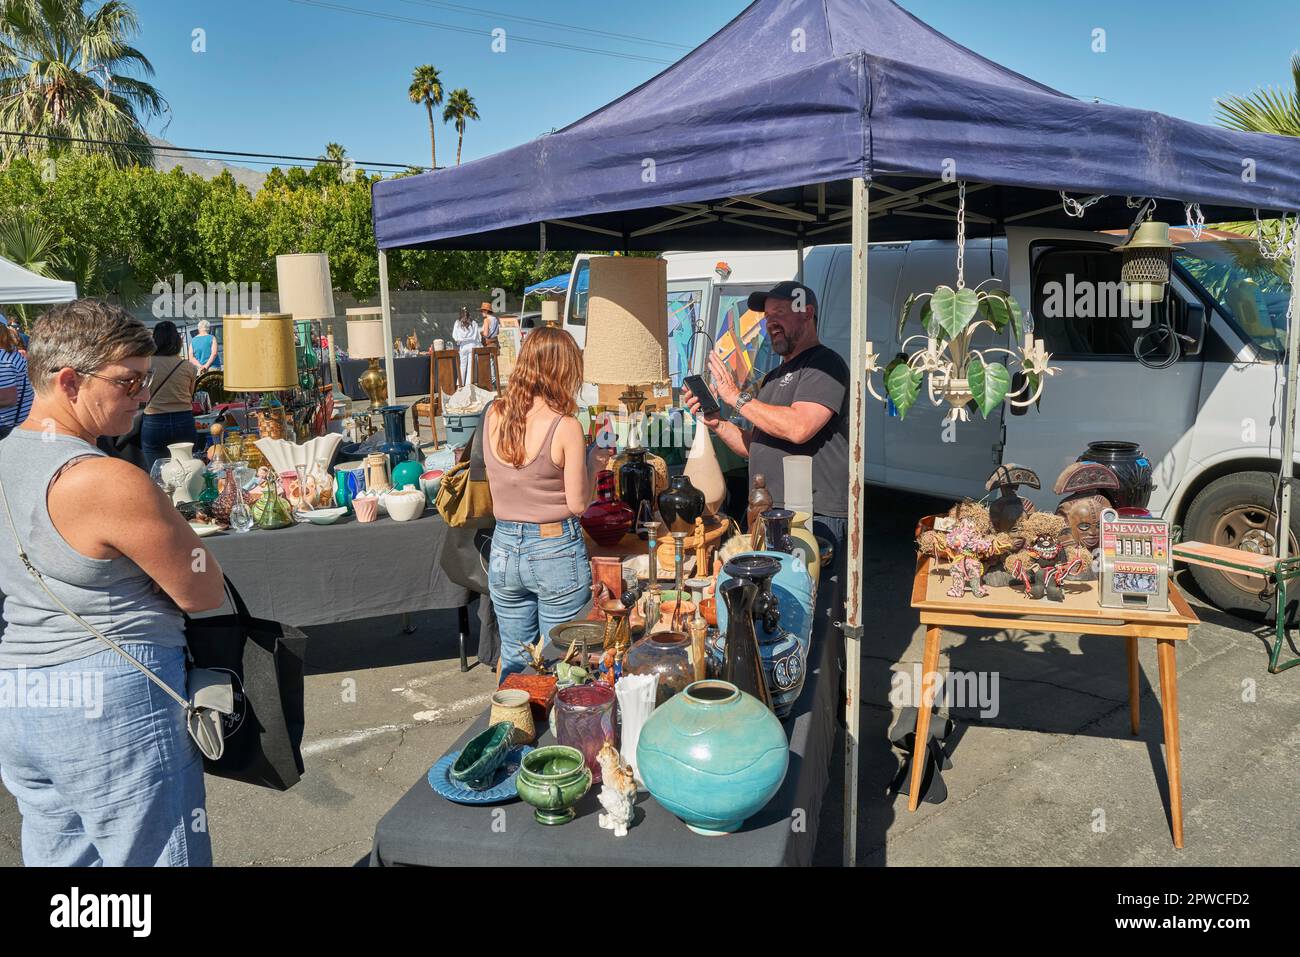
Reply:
x=617, y=791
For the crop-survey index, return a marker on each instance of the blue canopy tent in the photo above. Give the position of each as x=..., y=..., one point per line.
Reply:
x=556, y=285
x=827, y=121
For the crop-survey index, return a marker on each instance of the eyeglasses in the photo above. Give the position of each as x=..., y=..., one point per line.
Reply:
x=131, y=386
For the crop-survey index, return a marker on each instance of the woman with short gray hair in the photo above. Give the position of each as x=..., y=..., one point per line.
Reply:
x=99, y=761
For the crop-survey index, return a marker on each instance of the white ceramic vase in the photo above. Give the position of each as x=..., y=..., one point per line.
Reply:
x=184, y=472
x=703, y=470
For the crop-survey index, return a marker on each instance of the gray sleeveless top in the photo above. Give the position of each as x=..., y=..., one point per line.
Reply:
x=113, y=594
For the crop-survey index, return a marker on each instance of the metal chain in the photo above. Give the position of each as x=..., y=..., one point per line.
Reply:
x=1075, y=209
x=1284, y=245
x=1195, y=222
x=961, y=234
x=1145, y=208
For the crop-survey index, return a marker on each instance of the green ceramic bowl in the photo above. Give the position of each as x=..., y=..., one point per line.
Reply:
x=553, y=779
x=484, y=753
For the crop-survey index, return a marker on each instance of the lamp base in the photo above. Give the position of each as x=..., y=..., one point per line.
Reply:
x=374, y=383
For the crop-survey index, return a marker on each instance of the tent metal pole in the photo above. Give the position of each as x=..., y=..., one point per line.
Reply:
x=1288, y=414
x=386, y=306
x=798, y=251
x=852, y=588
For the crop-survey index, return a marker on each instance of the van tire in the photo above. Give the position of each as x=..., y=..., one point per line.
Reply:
x=1210, y=505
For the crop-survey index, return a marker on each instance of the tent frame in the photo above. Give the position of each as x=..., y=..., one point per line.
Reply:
x=919, y=201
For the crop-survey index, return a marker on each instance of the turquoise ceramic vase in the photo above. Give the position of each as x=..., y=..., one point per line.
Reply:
x=713, y=756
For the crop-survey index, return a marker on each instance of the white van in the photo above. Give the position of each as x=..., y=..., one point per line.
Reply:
x=1209, y=420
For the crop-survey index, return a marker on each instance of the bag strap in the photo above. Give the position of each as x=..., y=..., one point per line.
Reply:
x=22, y=555
x=157, y=388
x=477, y=467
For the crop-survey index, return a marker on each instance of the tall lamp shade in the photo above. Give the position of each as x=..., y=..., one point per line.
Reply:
x=366, y=334
x=627, y=322
x=259, y=353
x=305, y=288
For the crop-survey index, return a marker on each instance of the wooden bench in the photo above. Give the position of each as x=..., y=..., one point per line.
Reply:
x=1275, y=573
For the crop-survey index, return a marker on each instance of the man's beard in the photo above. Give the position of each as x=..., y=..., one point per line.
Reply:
x=782, y=345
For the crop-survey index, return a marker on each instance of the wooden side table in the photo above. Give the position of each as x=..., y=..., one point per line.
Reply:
x=1078, y=614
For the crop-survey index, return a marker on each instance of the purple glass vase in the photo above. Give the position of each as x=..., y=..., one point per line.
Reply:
x=584, y=719
x=607, y=519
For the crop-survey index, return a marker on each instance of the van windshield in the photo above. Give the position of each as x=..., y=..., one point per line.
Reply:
x=1250, y=289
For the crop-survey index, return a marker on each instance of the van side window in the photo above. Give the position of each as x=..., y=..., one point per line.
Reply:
x=578, y=301
x=1079, y=306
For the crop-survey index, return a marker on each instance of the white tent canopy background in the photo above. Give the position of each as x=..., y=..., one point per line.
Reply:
x=19, y=286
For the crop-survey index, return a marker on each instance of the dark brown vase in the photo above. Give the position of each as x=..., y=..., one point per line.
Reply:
x=680, y=505
x=776, y=529
x=636, y=480
x=224, y=502
x=1130, y=466
x=746, y=597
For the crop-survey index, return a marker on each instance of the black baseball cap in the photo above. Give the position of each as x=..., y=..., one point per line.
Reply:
x=783, y=290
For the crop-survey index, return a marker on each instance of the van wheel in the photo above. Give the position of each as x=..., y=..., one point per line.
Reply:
x=1237, y=511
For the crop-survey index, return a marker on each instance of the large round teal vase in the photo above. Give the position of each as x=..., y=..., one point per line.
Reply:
x=713, y=756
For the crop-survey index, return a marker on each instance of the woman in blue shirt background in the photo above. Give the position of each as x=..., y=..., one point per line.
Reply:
x=205, y=351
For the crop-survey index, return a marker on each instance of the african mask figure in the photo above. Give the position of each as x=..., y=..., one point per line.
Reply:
x=1083, y=514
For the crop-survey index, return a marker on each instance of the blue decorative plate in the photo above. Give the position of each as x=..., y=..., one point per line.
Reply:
x=503, y=782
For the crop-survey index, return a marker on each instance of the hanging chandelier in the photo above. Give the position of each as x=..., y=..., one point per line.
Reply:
x=951, y=369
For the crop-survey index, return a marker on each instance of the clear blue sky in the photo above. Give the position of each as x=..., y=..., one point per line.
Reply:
x=286, y=77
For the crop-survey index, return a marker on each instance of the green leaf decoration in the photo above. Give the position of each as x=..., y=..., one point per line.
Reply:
x=1032, y=379
x=902, y=317
x=927, y=317
x=1017, y=321
x=903, y=384
x=953, y=309
x=996, y=310
x=989, y=383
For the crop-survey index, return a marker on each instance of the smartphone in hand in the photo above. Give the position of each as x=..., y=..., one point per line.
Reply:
x=699, y=389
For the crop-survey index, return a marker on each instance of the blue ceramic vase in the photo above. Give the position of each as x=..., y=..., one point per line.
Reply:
x=713, y=756
x=783, y=649
x=395, y=445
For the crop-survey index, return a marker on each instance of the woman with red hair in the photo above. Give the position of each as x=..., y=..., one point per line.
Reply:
x=539, y=575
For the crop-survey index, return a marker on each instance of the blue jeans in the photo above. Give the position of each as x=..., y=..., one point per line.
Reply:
x=101, y=765
x=536, y=583
x=162, y=429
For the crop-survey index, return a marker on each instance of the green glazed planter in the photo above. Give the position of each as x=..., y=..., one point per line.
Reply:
x=552, y=780
x=478, y=763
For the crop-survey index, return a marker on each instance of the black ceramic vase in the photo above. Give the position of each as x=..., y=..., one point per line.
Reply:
x=636, y=481
x=742, y=665
x=680, y=505
x=776, y=529
x=1130, y=465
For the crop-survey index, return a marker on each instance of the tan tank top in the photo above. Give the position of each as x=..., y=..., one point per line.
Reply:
x=532, y=493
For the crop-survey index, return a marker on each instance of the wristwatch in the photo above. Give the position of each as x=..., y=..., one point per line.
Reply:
x=742, y=399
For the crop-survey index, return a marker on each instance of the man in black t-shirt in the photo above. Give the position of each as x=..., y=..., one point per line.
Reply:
x=801, y=408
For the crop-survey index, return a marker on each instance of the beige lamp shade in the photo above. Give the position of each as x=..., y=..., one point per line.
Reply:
x=551, y=313
x=627, y=321
x=305, y=288
x=258, y=353
x=366, y=338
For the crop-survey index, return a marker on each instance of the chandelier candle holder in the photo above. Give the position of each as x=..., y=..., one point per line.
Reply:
x=953, y=371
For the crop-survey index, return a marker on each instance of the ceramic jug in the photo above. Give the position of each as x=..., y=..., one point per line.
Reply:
x=185, y=472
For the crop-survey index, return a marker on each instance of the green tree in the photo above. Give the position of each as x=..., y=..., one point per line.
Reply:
x=68, y=73
x=1267, y=110
x=32, y=244
x=460, y=110
x=426, y=88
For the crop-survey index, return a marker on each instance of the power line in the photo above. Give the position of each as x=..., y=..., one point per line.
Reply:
x=514, y=37
x=626, y=37
x=194, y=150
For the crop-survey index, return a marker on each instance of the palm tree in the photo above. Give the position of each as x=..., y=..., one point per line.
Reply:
x=1267, y=110
x=335, y=154
x=460, y=109
x=426, y=88
x=30, y=243
x=65, y=72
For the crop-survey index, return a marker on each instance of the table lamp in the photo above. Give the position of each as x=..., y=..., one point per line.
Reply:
x=307, y=293
x=259, y=357
x=366, y=341
x=551, y=313
x=627, y=326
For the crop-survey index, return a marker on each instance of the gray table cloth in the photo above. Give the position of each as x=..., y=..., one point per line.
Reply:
x=426, y=829
x=318, y=574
